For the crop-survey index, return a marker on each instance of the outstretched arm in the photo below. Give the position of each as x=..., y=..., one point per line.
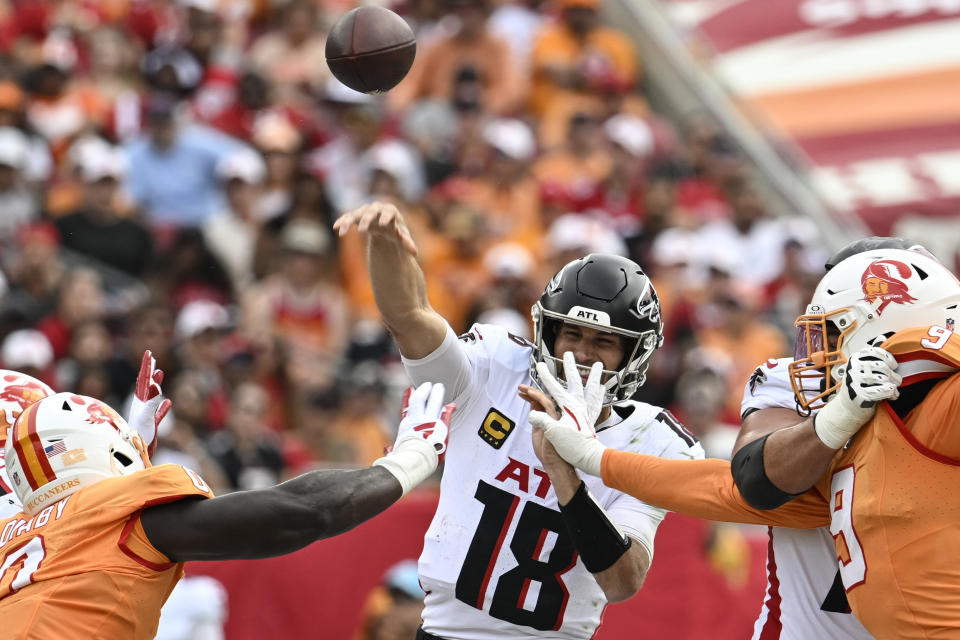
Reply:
x=315, y=505
x=398, y=283
x=703, y=489
x=270, y=522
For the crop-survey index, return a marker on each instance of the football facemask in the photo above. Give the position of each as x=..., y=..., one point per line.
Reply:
x=861, y=302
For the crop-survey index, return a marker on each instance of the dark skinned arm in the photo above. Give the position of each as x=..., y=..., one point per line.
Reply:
x=270, y=522
x=794, y=458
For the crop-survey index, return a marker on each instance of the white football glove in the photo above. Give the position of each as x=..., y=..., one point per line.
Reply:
x=870, y=377
x=572, y=435
x=421, y=436
x=148, y=407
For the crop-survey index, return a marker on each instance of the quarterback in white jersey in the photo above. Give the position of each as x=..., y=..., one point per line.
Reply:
x=521, y=546
x=497, y=560
x=804, y=597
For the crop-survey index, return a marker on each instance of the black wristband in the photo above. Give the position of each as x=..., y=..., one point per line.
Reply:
x=598, y=540
x=751, y=479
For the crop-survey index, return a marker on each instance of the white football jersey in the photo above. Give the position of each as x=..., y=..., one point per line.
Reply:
x=497, y=560
x=804, y=591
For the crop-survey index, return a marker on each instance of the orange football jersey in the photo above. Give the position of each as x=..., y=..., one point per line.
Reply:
x=83, y=567
x=890, y=499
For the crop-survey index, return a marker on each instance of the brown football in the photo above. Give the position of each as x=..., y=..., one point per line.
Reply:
x=370, y=49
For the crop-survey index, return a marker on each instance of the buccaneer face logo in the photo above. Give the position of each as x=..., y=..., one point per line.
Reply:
x=881, y=282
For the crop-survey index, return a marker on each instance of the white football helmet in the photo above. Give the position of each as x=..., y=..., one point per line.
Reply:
x=862, y=301
x=66, y=442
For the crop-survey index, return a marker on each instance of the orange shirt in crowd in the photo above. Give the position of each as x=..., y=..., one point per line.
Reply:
x=435, y=69
x=557, y=46
x=512, y=210
x=755, y=343
x=888, y=498
x=84, y=568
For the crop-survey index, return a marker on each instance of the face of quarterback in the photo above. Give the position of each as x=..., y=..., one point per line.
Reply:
x=589, y=345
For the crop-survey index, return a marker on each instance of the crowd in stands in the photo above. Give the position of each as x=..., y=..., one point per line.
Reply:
x=170, y=170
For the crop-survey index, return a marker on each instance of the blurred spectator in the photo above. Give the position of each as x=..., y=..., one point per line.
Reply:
x=99, y=229
x=293, y=56
x=579, y=166
x=90, y=349
x=660, y=212
x=280, y=143
x=360, y=432
x=16, y=201
x=80, y=299
x=149, y=327
x=517, y=23
x=432, y=128
x=302, y=305
x=696, y=189
x=231, y=233
x=247, y=449
x=346, y=177
x=172, y=170
x=751, y=239
x=472, y=69
x=512, y=287
x=701, y=403
x=39, y=163
x=58, y=109
x=35, y=271
x=631, y=144
x=392, y=610
x=456, y=275
x=178, y=441
x=575, y=59
x=729, y=324
x=574, y=235
x=199, y=329
x=192, y=272
x=29, y=352
x=505, y=189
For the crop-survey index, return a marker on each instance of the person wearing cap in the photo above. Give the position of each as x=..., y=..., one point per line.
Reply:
x=172, y=169
x=302, y=304
x=27, y=351
x=580, y=165
x=574, y=60
x=100, y=229
x=17, y=204
x=631, y=143
x=472, y=51
x=231, y=233
x=505, y=190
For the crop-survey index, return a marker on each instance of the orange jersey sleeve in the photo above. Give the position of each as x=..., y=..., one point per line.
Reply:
x=85, y=561
x=930, y=353
x=704, y=489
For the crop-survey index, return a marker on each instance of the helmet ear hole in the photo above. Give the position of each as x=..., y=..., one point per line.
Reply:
x=123, y=459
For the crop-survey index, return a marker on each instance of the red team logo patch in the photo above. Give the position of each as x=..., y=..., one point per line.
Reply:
x=881, y=282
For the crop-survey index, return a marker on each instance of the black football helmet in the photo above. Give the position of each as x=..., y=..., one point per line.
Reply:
x=606, y=292
x=874, y=243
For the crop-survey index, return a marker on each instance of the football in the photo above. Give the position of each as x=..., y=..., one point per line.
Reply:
x=370, y=49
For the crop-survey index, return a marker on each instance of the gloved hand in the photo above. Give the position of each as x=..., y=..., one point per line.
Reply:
x=421, y=436
x=869, y=377
x=149, y=407
x=572, y=434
